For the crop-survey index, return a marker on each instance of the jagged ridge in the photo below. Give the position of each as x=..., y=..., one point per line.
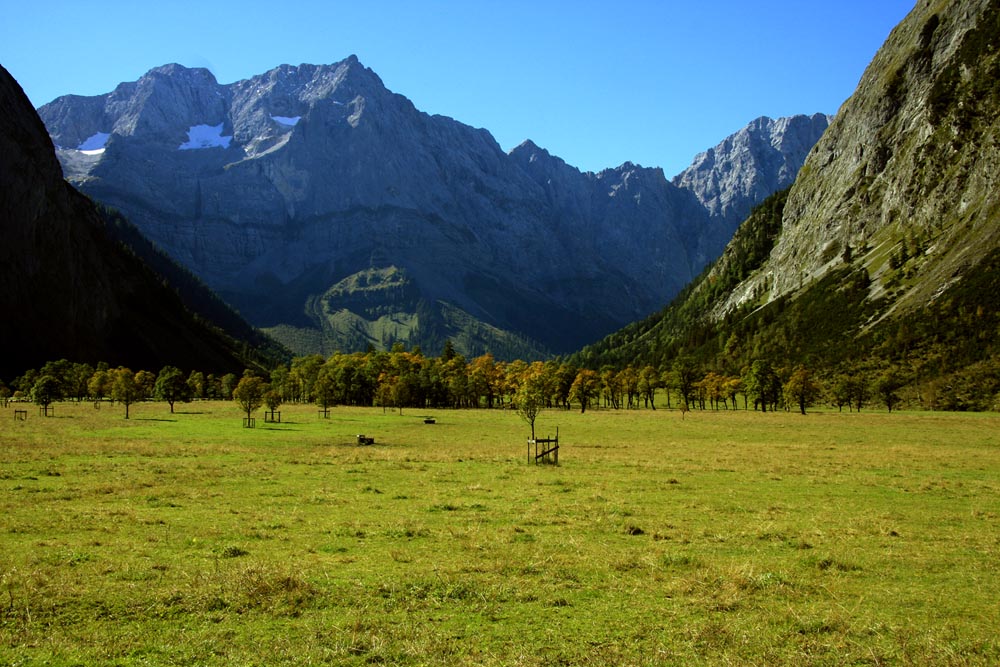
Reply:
x=292, y=181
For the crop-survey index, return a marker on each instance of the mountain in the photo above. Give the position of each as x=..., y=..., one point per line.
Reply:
x=71, y=286
x=884, y=256
x=331, y=211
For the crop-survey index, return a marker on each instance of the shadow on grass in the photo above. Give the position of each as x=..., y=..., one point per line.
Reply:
x=151, y=419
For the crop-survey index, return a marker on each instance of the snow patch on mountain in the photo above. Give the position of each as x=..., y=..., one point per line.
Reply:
x=288, y=121
x=205, y=136
x=94, y=144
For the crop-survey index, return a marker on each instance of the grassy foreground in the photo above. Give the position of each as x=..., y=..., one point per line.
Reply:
x=720, y=538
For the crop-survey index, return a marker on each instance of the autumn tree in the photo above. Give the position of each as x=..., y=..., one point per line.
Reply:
x=585, y=388
x=124, y=388
x=99, y=384
x=531, y=394
x=801, y=389
x=649, y=382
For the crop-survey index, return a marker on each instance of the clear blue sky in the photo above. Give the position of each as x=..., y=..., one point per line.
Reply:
x=597, y=83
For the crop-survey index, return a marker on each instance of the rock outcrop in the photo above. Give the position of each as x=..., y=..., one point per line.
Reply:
x=904, y=182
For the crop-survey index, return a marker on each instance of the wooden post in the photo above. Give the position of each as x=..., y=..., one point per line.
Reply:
x=20, y=415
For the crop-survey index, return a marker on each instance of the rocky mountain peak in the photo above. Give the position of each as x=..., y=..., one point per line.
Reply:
x=739, y=172
x=296, y=178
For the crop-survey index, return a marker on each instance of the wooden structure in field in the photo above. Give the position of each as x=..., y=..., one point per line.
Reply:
x=546, y=450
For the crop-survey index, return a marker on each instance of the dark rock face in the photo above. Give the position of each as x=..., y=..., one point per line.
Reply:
x=68, y=291
x=278, y=188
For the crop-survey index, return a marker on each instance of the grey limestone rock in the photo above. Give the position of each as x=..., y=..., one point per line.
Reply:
x=304, y=176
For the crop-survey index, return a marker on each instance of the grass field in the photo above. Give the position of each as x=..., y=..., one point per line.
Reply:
x=719, y=538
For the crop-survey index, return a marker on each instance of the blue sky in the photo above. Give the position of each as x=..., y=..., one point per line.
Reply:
x=597, y=83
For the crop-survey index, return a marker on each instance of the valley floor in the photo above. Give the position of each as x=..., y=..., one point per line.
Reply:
x=661, y=538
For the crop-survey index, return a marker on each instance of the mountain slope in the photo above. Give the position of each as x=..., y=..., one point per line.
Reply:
x=277, y=189
x=885, y=252
x=72, y=290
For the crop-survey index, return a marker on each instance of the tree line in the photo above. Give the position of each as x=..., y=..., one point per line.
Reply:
x=407, y=379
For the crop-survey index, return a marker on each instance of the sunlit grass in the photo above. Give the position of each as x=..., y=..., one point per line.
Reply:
x=722, y=537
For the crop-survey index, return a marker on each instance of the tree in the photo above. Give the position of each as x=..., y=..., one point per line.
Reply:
x=227, y=385
x=763, y=384
x=145, y=382
x=649, y=382
x=801, y=389
x=4, y=394
x=886, y=386
x=171, y=386
x=840, y=392
x=99, y=384
x=46, y=391
x=684, y=376
x=324, y=389
x=249, y=393
x=531, y=394
x=124, y=388
x=586, y=387
x=198, y=385
x=272, y=398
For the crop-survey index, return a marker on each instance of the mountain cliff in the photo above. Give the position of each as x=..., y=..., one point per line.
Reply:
x=285, y=191
x=71, y=286
x=884, y=256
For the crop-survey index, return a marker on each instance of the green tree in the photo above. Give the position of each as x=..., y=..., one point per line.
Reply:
x=46, y=391
x=227, y=385
x=4, y=394
x=249, y=393
x=324, y=389
x=684, y=375
x=763, y=384
x=886, y=387
x=840, y=392
x=272, y=399
x=801, y=389
x=171, y=386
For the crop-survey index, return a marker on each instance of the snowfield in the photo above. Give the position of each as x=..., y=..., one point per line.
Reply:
x=205, y=136
x=94, y=144
x=289, y=121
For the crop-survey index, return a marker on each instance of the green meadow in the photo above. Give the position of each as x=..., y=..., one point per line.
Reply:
x=707, y=538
